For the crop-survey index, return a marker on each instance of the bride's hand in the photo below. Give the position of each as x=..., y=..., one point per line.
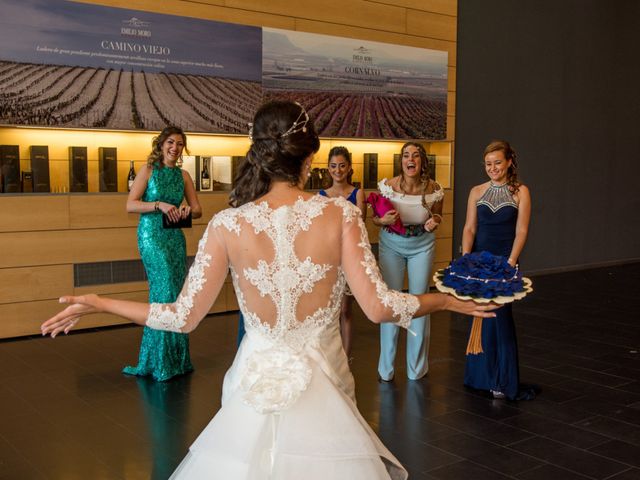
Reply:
x=67, y=318
x=469, y=307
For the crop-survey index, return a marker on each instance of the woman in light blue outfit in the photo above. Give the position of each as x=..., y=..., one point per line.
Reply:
x=418, y=203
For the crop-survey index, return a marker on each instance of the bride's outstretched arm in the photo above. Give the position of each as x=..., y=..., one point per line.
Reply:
x=200, y=289
x=82, y=305
x=377, y=300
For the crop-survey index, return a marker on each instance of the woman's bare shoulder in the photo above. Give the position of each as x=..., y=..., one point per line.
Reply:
x=185, y=174
x=394, y=182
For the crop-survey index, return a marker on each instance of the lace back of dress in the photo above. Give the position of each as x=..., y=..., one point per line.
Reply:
x=283, y=290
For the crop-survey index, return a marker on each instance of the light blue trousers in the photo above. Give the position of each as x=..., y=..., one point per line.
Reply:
x=414, y=255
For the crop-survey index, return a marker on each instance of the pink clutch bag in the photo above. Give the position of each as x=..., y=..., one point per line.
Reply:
x=382, y=205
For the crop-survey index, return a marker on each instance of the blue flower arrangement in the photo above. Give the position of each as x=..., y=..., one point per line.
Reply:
x=483, y=275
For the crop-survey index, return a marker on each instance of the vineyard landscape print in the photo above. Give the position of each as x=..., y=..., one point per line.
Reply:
x=100, y=67
x=352, y=88
x=67, y=96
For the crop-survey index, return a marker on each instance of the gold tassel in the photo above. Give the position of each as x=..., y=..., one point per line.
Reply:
x=474, y=346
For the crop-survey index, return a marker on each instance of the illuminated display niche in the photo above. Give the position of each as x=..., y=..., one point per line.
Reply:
x=135, y=146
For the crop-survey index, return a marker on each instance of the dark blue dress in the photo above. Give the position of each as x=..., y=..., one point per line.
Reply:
x=497, y=367
x=352, y=196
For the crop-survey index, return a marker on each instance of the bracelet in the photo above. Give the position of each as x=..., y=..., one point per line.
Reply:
x=434, y=215
x=156, y=207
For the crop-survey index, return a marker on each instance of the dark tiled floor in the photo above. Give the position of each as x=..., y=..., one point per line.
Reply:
x=67, y=412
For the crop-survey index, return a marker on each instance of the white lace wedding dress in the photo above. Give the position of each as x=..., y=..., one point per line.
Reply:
x=288, y=407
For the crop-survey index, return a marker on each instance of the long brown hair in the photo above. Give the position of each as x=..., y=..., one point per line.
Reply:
x=155, y=158
x=510, y=154
x=282, y=138
x=424, y=170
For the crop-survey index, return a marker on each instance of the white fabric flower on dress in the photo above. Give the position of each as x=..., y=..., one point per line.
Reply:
x=274, y=379
x=385, y=189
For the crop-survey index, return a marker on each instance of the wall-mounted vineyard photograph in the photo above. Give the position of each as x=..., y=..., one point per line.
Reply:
x=112, y=68
x=87, y=97
x=356, y=88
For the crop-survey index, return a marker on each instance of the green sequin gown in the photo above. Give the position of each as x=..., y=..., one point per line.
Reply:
x=163, y=355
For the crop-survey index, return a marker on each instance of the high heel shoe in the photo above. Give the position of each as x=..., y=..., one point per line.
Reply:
x=497, y=394
x=381, y=380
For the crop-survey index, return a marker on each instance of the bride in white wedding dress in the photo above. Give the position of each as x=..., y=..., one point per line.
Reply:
x=288, y=407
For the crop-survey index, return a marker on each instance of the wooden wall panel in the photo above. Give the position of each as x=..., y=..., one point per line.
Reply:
x=451, y=79
x=209, y=9
x=360, y=13
x=18, y=319
x=110, y=210
x=55, y=247
x=451, y=127
x=35, y=283
x=211, y=203
x=24, y=249
x=112, y=288
x=33, y=212
x=451, y=103
x=193, y=236
x=232, y=300
x=68, y=246
x=447, y=205
x=445, y=230
x=445, y=7
x=443, y=250
x=100, y=211
x=103, y=245
x=432, y=25
x=25, y=318
x=220, y=305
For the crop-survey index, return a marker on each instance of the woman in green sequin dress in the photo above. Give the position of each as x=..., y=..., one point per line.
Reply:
x=160, y=188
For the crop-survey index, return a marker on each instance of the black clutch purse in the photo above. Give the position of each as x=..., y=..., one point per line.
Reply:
x=182, y=223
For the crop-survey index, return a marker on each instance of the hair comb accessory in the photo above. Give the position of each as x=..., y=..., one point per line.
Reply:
x=250, y=131
x=300, y=124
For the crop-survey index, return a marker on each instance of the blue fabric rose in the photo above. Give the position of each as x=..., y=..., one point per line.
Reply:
x=483, y=275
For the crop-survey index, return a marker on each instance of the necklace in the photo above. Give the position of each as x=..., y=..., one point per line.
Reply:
x=497, y=185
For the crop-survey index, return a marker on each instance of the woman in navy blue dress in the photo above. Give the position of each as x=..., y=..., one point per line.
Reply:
x=498, y=213
x=340, y=169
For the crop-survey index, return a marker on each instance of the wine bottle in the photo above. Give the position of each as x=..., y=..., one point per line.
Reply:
x=205, y=179
x=78, y=169
x=131, y=177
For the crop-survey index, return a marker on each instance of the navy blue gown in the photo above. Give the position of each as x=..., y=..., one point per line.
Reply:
x=497, y=367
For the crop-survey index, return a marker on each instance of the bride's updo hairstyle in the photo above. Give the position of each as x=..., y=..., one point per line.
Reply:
x=282, y=137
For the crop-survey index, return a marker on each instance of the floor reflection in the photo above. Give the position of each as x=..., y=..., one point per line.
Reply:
x=166, y=410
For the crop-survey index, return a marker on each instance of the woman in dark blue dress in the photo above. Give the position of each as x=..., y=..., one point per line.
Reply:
x=341, y=169
x=498, y=213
